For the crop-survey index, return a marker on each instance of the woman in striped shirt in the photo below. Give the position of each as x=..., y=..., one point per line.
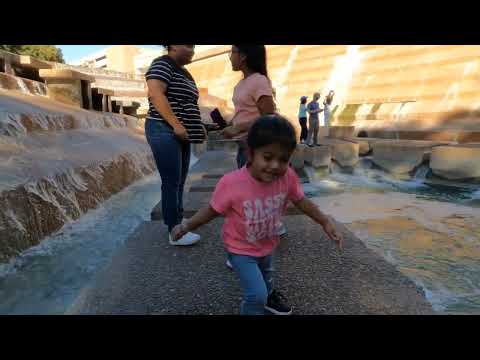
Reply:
x=172, y=124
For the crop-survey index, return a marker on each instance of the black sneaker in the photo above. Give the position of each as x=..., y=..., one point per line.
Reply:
x=275, y=304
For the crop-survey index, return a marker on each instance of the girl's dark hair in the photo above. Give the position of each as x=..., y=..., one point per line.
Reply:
x=303, y=100
x=272, y=129
x=256, y=57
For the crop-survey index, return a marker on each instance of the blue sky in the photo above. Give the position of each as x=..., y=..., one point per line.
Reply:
x=75, y=52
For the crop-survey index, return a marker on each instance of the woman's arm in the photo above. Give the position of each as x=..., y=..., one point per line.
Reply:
x=201, y=217
x=156, y=93
x=265, y=105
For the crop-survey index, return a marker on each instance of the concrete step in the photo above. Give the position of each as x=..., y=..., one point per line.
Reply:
x=345, y=153
x=457, y=162
x=402, y=156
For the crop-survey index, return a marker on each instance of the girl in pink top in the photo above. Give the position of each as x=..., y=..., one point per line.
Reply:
x=252, y=96
x=252, y=200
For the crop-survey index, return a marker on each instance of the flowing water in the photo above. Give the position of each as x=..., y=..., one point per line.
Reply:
x=47, y=278
x=431, y=233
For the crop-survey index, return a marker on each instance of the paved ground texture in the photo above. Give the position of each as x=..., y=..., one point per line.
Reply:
x=149, y=276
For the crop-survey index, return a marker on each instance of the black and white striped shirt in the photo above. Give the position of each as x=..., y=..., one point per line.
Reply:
x=182, y=95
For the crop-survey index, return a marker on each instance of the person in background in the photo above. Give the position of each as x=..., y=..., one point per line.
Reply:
x=172, y=124
x=313, y=108
x=327, y=109
x=302, y=119
x=252, y=96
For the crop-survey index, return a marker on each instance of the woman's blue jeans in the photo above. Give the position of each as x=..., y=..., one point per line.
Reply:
x=172, y=157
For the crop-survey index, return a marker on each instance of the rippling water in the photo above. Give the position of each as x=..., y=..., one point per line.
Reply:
x=47, y=278
x=440, y=253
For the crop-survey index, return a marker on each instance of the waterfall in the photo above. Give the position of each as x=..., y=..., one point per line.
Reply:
x=280, y=86
x=343, y=71
x=22, y=86
x=421, y=172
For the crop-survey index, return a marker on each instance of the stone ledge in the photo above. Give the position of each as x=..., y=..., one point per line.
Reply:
x=318, y=156
x=64, y=74
x=34, y=63
x=456, y=162
x=130, y=93
x=103, y=91
x=402, y=156
x=345, y=153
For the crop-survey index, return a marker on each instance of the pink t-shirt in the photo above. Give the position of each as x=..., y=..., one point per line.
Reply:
x=245, y=97
x=252, y=210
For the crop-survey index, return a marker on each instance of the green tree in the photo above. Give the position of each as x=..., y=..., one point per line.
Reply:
x=41, y=52
x=11, y=48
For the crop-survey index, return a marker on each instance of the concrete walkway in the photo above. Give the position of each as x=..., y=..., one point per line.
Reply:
x=148, y=276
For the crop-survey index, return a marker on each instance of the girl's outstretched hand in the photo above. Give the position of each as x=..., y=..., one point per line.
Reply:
x=178, y=231
x=333, y=234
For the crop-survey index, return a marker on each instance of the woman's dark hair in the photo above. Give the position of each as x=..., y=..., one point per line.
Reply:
x=272, y=129
x=256, y=57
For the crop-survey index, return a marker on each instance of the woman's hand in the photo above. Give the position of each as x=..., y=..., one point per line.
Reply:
x=229, y=132
x=181, y=132
x=211, y=127
x=333, y=234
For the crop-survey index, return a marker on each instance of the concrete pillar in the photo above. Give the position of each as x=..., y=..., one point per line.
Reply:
x=89, y=95
x=121, y=109
x=8, y=67
x=298, y=157
x=68, y=91
x=104, y=103
x=109, y=103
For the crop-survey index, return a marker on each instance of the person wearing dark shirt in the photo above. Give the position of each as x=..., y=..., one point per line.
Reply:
x=173, y=122
x=313, y=109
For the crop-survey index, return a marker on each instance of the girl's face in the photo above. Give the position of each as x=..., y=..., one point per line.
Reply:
x=236, y=58
x=269, y=162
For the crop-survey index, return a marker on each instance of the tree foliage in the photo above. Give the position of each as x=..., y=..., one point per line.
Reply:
x=41, y=52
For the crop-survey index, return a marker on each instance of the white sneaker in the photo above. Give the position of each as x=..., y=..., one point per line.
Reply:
x=187, y=239
x=229, y=264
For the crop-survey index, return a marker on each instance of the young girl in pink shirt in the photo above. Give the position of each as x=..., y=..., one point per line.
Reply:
x=252, y=200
